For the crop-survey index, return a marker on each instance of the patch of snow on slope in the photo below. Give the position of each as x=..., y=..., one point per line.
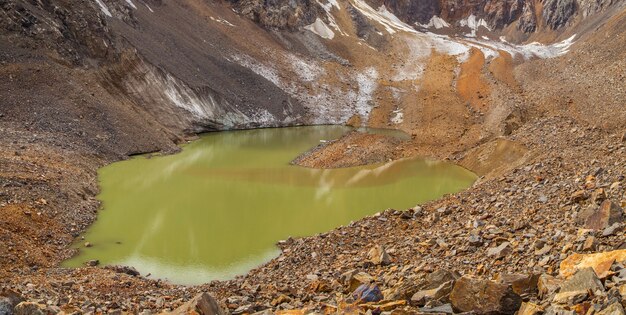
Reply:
x=531, y=50
x=435, y=22
x=269, y=73
x=474, y=24
x=131, y=4
x=307, y=71
x=367, y=85
x=104, y=8
x=398, y=117
x=383, y=16
x=320, y=28
x=331, y=19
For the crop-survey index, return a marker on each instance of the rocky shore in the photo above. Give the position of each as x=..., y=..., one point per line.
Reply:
x=541, y=232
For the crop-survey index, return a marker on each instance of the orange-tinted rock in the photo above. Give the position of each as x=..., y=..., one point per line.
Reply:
x=600, y=262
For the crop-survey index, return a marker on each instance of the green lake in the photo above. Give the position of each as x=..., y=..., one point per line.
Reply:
x=217, y=209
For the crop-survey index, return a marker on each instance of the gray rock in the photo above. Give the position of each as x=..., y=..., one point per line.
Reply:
x=582, y=280
x=500, y=251
x=440, y=293
x=602, y=217
x=613, y=309
x=445, y=309
x=6, y=307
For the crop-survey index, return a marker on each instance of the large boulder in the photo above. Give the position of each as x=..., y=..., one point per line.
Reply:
x=201, y=304
x=583, y=280
x=599, y=218
x=484, y=297
x=600, y=262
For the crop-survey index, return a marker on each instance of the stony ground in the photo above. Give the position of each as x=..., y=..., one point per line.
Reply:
x=553, y=167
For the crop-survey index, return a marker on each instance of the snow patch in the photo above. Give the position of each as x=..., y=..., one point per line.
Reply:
x=131, y=4
x=474, y=24
x=320, y=28
x=435, y=22
x=390, y=22
x=398, y=117
x=532, y=50
x=220, y=20
x=331, y=19
x=267, y=72
x=307, y=71
x=104, y=8
x=367, y=85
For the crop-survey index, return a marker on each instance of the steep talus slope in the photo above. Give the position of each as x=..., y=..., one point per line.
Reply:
x=85, y=83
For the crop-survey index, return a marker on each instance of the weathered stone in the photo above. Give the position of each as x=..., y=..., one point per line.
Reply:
x=500, y=251
x=378, y=256
x=440, y=293
x=612, y=230
x=280, y=300
x=202, y=304
x=579, y=196
x=599, y=218
x=442, y=309
x=570, y=297
x=520, y=283
x=558, y=310
x=484, y=297
x=6, y=308
x=613, y=309
x=590, y=244
x=367, y=293
x=29, y=308
x=475, y=240
x=92, y=263
x=600, y=262
x=583, y=280
x=528, y=308
x=437, y=278
x=359, y=279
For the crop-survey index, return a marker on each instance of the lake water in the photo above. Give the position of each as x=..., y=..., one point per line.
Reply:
x=217, y=209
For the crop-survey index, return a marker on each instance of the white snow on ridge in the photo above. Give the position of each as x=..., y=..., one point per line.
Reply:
x=383, y=16
x=131, y=4
x=435, y=22
x=320, y=28
x=529, y=50
x=474, y=24
x=331, y=19
x=104, y=8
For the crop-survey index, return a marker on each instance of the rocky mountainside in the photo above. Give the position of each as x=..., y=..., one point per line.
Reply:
x=528, y=94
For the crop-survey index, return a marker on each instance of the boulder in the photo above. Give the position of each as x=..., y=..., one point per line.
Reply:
x=484, y=297
x=437, y=278
x=358, y=279
x=528, y=308
x=29, y=308
x=599, y=218
x=570, y=297
x=6, y=307
x=440, y=293
x=499, y=251
x=520, y=283
x=583, y=280
x=367, y=293
x=600, y=262
x=201, y=304
x=378, y=256
x=613, y=309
